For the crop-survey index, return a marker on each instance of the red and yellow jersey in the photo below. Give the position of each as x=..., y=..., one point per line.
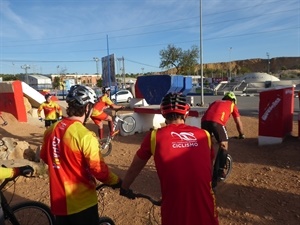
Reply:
x=51, y=110
x=219, y=112
x=102, y=104
x=183, y=158
x=72, y=154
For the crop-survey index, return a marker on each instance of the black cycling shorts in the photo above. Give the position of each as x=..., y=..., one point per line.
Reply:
x=48, y=123
x=88, y=216
x=215, y=129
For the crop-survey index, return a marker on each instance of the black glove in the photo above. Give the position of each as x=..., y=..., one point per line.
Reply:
x=117, y=185
x=23, y=171
x=127, y=193
x=242, y=136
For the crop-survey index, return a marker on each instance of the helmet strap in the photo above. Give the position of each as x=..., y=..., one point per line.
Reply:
x=87, y=112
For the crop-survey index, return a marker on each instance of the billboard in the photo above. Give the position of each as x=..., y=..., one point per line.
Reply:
x=108, y=70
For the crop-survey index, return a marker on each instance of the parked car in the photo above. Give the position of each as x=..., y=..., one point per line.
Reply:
x=122, y=96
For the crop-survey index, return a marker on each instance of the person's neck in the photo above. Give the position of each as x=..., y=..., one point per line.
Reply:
x=78, y=118
x=177, y=121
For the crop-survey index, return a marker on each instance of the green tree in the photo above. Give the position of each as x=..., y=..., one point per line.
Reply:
x=183, y=61
x=56, y=82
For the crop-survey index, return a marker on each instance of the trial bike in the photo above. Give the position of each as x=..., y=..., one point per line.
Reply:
x=27, y=212
x=127, y=124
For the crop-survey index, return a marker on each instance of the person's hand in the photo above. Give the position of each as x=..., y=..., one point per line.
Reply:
x=127, y=193
x=117, y=185
x=23, y=171
x=40, y=118
x=242, y=136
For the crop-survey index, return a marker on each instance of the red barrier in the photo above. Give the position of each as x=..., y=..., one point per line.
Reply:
x=276, y=108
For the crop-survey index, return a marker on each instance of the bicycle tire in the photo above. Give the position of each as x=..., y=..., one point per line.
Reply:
x=228, y=168
x=104, y=220
x=105, y=148
x=31, y=213
x=128, y=124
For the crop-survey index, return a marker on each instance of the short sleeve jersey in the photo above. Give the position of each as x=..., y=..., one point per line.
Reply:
x=183, y=157
x=50, y=110
x=74, y=161
x=219, y=112
x=102, y=104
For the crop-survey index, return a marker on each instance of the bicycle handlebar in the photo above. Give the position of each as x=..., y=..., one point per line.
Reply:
x=154, y=202
x=27, y=171
x=137, y=195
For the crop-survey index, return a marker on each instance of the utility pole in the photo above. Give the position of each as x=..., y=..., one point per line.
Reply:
x=26, y=67
x=142, y=71
x=230, y=64
x=268, y=62
x=201, y=56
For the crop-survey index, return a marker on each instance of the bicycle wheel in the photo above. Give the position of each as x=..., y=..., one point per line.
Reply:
x=31, y=213
x=105, y=146
x=228, y=166
x=128, y=124
x=106, y=221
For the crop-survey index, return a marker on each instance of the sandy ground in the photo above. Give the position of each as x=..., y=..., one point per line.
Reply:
x=264, y=186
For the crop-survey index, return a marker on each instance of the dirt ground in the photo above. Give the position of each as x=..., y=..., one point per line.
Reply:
x=263, y=188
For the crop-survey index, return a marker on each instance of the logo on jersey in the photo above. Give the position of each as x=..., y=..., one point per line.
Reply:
x=185, y=140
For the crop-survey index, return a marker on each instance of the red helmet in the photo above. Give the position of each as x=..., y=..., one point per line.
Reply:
x=174, y=103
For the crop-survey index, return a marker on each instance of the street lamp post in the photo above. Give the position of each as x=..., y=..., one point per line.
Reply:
x=123, y=70
x=230, y=64
x=96, y=59
x=268, y=62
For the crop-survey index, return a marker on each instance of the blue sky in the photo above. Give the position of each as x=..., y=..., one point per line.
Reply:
x=51, y=36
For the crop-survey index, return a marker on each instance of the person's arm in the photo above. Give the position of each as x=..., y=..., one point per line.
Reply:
x=6, y=172
x=133, y=171
x=114, y=106
x=39, y=110
x=59, y=110
x=239, y=126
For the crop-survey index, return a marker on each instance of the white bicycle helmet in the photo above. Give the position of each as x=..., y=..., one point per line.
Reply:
x=81, y=95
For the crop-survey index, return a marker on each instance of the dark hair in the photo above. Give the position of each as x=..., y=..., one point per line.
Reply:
x=74, y=109
x=174, y=116
x=47, y=95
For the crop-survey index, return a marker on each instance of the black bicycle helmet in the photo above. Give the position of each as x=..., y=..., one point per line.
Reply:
x=81, y=95
x=105, y=89
x=174, y=103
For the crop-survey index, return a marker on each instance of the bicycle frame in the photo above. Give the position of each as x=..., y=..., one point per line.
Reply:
x=128, y=124
x=8, y=211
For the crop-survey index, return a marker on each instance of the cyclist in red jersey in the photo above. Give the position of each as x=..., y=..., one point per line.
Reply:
x=98, y=114
x=214, y=121
x=74, y=161
x=183, y=158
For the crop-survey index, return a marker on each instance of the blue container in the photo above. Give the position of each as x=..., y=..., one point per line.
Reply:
x=154, y=87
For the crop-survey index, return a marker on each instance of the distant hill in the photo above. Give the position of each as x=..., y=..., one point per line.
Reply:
x=276, y=66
